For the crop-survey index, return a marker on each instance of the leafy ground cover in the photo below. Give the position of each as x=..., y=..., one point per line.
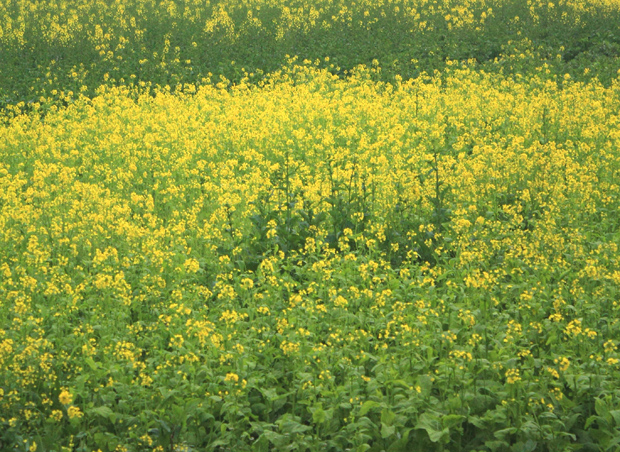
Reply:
x=313, y=260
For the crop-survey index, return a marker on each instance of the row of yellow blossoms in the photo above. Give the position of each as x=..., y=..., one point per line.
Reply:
x=218, y=263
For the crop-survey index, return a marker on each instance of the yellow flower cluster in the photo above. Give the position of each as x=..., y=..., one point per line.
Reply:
x=65, y=397
x=512, y=376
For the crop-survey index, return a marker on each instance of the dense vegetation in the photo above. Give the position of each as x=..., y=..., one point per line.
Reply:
x=302, y=253
x=55, y=49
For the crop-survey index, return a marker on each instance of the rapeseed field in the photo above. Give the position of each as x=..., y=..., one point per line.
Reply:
x=54, y=49
x=313, y=253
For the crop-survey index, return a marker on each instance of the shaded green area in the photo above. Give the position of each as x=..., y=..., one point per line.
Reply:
x=51, y=49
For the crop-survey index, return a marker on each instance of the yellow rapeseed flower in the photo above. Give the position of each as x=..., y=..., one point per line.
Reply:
x=65, y=397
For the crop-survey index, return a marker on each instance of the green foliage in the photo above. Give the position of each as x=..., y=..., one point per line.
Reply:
x=56, y=51
x=219, y=232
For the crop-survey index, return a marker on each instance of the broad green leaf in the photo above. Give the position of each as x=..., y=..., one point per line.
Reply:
x=425, y=383
x=387, y=416
x=387, y=430
x=401, y=444
x=451, y=420
x=318, y=415
x=613, y=443
x=275, y=438
x=590, y=421
x=502, y=434
x=367, y=406
x=292, y=427
x=601, y=408
x=441, y=436
x=432, y=424
x=91, y=363
x=105, y=412
x=400, y=383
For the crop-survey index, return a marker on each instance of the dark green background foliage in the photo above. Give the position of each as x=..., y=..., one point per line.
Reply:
x=62, y=48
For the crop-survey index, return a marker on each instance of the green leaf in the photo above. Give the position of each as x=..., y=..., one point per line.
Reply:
x=478, y=422
x=220, y=442
x=442, y=436
x=400, y=383
x=104, y=412
x=502, y=434
x=270, y=394
x=429, y=421
x=590, y=421
x=387, y=430
x=433, y=426
x=451, y=420
x=291, y=427
x=318, y=415
x=167, y=393
x=425, y=383
x=612, y=444
x=91, y=363
x=387, y=417
x=367, y=406
x=401, y=444
x=528, y=446
x=497, y=445
x=275, y=438
x=552, y=339
x=601, y=408
x=99, y=438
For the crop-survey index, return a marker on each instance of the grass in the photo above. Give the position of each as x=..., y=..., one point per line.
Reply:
x=308, y=258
